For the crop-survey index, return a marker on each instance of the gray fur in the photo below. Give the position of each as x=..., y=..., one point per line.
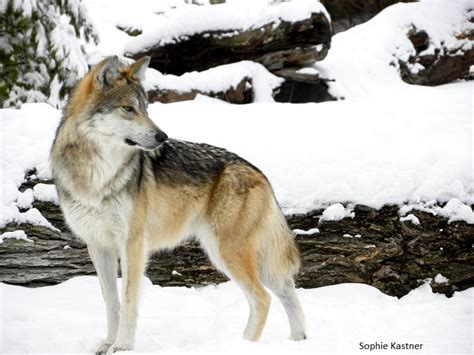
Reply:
x=109, y=72
x=181, y=162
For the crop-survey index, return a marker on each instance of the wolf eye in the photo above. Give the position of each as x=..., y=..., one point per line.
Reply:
x=128, y=108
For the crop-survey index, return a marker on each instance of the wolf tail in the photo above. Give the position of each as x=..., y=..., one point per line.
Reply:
x=279, y=261
x=279, y=257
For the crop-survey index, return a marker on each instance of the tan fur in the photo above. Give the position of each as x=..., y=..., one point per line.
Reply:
x=82, y=94
x=239, y=207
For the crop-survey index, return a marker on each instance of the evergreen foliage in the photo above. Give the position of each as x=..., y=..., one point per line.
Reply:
x=41, y=49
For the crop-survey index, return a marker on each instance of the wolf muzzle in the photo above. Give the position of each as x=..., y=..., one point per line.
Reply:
x=149, y=141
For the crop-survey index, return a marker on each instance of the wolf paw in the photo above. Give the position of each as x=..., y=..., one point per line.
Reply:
x=102, y=349
x=298, y=336
x=115, y=347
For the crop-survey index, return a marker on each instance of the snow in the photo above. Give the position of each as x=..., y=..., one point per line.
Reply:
x=388, y=151
x=359, y=58
x=351, y=236
x=169, y=19
x=25, y=199
x=307, y=70
x=411, y=218
x=27, y=135
x=18, y=235
x=211, y=319
x=455, y=210
x=376, y=152
x=50, y=52
x=440, y=279
x=217, y=79
x=45, y=193
x=336, y=212
x=306, y=232
x=387, y=143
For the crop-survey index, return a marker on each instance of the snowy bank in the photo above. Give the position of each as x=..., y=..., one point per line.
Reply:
x=70, y=318
x=388, y=151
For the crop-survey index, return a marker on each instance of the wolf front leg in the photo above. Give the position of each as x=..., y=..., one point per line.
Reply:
x=133, y=261
x=105, y=263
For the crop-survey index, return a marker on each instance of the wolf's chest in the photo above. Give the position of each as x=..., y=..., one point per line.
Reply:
x=103, y=224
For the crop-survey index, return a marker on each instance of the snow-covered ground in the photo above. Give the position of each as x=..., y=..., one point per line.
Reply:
x=211, y=319
x=411, y=149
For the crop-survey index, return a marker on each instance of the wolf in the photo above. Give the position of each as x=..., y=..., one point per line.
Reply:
x=128, y=191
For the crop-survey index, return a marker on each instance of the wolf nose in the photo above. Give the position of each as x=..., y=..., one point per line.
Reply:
x=161, y=136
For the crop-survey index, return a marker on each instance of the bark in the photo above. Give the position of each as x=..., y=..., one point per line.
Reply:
x=275, y=45
x=391, y=255
x=240, y=94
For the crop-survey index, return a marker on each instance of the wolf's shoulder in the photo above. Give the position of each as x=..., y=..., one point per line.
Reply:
x=192, y=162
x=199, y=151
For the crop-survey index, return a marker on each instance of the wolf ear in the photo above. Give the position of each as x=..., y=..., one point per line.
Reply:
x=108, y=72
x=137, y=69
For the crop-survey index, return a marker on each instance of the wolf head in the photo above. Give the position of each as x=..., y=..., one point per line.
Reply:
x=113, y=105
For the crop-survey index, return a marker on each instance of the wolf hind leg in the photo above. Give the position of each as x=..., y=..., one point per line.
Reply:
x=286, y=293
x=238, y=262
x=243, y=272
x=259, y=305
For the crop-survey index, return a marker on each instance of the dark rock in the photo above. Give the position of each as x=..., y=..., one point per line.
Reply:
x=419, y=39
x=298, y=92
x=300, y=87
x=440, y=67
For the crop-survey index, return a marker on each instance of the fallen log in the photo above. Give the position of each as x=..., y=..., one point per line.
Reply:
x=242, y=93
x=374, y=247
x=275, y=41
